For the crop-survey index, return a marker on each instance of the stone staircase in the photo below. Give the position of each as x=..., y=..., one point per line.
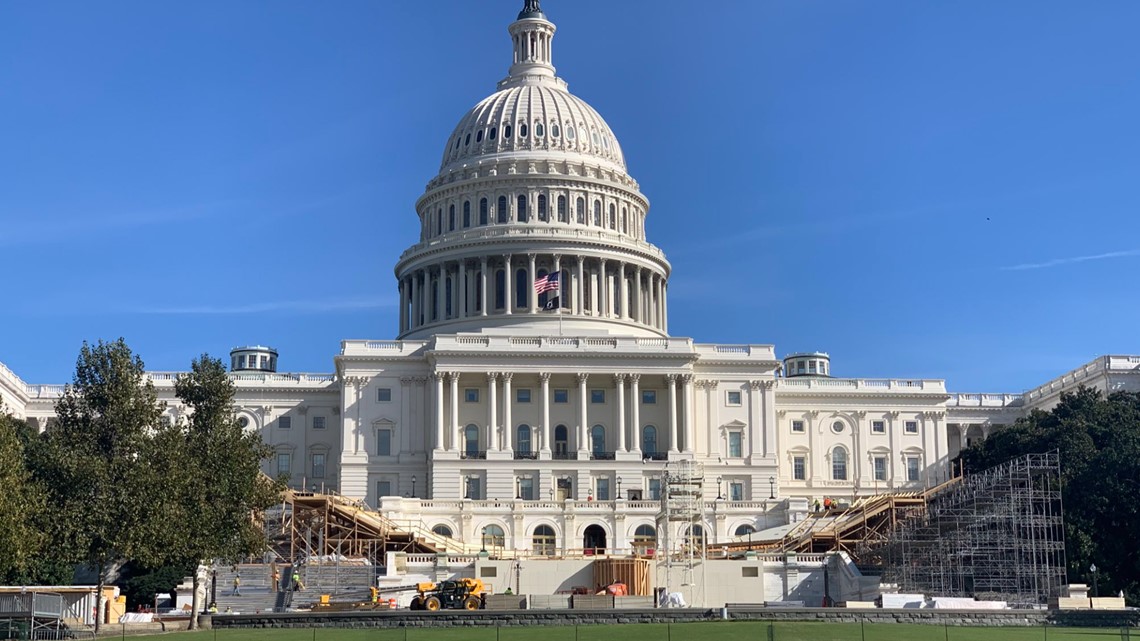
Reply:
x=257, y=593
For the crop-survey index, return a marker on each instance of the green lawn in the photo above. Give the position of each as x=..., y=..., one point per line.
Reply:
x=712, y=631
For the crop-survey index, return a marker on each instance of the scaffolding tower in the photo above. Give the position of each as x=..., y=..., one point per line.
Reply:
x=681, y=520
x=997, y=535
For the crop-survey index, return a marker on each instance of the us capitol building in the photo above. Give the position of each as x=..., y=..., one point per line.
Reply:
x=501, y=415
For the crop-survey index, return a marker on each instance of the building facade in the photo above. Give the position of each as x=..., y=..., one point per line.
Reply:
x=533, y=397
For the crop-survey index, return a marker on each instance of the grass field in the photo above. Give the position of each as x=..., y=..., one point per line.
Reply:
x=712, y=631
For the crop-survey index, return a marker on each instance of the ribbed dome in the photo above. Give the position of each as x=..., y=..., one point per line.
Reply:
x=532, y=118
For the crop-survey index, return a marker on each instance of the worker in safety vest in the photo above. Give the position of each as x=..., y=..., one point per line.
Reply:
x=375, y=594
x=213, y=608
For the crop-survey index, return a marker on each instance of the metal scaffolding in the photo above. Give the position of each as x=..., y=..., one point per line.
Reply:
x=682, y=513
x=997, y=535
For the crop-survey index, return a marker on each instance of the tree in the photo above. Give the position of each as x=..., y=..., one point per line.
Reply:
x=217, y=482
x=1099, y=443
x=23, y=505
x=99, y=468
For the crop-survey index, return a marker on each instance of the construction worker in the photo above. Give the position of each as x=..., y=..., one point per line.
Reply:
x=297, y=585
x=375, y=594
x=275, y=577
x=213, y=608
x=508, y=590
x=237, y=584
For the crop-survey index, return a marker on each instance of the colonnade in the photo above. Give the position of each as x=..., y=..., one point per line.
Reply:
x=499, y=430
x=494, y=285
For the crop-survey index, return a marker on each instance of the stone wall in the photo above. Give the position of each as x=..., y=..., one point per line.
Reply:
x=404, y=618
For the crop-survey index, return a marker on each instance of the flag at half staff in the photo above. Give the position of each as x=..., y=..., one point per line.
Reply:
x=547, y=283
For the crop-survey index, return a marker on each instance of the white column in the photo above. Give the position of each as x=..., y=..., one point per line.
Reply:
x=531, y=296
x=671, y=381
x=546, y=431
x=651, y=303
x=508, y=402
x=403, y=305
x=582, y=429
x=664, y=306
x=637, y=303
x=635, y=412
x=415, y=300
x=623, y=293
x=440, y=291
x=619, y=383
x=508, y=282
x=463, y=297
x=604, y=300
x=492, y=407
x=483, y=286
x=438, y=378
x=453, y=378
x=579, y=287
x=687, y=381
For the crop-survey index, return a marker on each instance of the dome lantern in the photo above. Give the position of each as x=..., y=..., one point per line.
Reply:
x=532, y=35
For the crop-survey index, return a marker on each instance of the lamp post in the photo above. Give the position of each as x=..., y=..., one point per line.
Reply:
x=619, y=487
x=413, y=486
x=771, y=487
x=719, y=494
x=1092, y=568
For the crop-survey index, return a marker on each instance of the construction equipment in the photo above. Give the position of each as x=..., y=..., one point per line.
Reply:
x=466, y=594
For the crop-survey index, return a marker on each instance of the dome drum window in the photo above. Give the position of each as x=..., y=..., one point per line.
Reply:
x=494, y=133
x=522, y=130
x=507, y=131
x=479, y=136
x=539, y=130
x=554, y=130
x=569, y=132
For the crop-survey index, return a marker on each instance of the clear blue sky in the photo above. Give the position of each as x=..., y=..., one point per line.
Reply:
x=923, y=189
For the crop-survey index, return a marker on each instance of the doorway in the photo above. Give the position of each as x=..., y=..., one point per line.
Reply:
x=594, y=541
x=563, y=489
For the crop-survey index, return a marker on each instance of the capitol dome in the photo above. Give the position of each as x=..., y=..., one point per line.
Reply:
x=531, y=119
x=532, y=223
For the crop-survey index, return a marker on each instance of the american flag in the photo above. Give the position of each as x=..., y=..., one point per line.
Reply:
x=547, y=283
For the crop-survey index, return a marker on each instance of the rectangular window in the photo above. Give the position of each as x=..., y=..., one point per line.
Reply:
x=602, y=486
x=526, y=488
x=522, y=395
x=285, y=422
x=471, y=395
x=880, y=468
x=384, y=442
x=878, y=427
x=384, y=395
x=654, y=489
x=912, y=471
x=241, y=362
x=799, y=468
x=474, y=489
x=648, y=397
x=735, y=439
x=798, y=426
x=736, y=491
x=734, y=397
x=284, y=462
x=561, y=396
x=383, y=488
x=597, y=396
x=912, y=427
x=318, y=466
x=811, y=367
x=318, y=422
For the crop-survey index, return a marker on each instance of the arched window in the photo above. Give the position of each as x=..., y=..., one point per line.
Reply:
x=467, y=140
x=447, y=299
x=523, y=442
x=522, y=130
x=493, y=537
x=570, y=132
x=439, y=221
x=482, y=211
x=542, y=215
x=613, y=216
x=507, y=131
x=479, y=136
x=443, y=530
x=839, y=464
x=494, y=133
x=561, y=443
x=645, y=540
x=466, y=214
x=648, y=439
x=562, y=217
x=521, y=288
x=597, y=441
x=520, y=213
x=554, y=130
x=543, y=540
x=500, y=289
x=695, y=535
x=539, y=130
x=597, y=213
x=471, y=441
x=624, y=220
x=581, y=211
x=744, y=530
x=502, y=211
x=451, y=218
x=435, y=300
